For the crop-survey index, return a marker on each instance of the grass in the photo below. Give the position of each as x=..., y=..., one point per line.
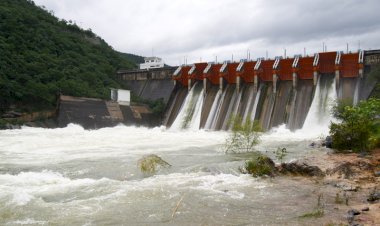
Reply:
x=314, y=214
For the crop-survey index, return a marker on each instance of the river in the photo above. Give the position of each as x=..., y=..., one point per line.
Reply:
x=72, y=176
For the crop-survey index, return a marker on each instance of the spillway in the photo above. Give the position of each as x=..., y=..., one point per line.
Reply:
x=295, y=107
x=190, y=111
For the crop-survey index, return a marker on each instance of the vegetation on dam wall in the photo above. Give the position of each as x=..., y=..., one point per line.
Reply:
x=42, y=56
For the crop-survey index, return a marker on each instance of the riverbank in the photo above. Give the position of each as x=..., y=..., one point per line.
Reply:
x=344, y=193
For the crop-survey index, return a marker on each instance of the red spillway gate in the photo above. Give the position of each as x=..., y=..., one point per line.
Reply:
x=196, y=73
x=327, y=62
x=265, y=71
x=349, y=66
x=213, y=74
x=285, y=70
x=182, y=75
x=247, y=71
x=305, y=68
x=229, y=73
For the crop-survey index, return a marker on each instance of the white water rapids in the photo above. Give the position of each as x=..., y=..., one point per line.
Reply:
x=72, y=176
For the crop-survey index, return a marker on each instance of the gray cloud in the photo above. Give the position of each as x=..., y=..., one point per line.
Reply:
x=200, y=28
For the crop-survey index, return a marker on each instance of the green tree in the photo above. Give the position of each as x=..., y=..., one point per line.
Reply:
x=42, y=55
x=244, y=136
x=358, y=129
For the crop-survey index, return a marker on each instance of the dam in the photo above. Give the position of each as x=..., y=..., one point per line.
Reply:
x=272, y=91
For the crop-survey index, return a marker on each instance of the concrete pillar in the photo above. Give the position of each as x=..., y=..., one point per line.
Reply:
x=315, y=78
x=237, y=83
x=361, y=73
x=294, y=80
x=337, y=78
x=189, y=84
x=221, y=83
x=274, y=83
x=255, y=83
x=204, y=85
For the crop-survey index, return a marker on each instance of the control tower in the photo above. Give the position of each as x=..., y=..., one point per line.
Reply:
x=152, y=62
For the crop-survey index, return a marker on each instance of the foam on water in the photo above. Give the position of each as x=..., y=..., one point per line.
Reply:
x=76, y=176
x=37, y=145
x=28, y=221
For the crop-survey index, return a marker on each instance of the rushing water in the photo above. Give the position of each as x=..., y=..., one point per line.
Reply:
x=72, y=176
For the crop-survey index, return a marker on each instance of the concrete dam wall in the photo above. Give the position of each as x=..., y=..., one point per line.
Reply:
x=150, y=84
x=206, y=95
x=293, y=91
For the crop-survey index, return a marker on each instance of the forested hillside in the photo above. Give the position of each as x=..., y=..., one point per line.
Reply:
x=41, y=56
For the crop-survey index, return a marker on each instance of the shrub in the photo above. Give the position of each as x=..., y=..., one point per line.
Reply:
x=150, y=164
x=259, y=166
x=359, y=126
x=281, y=153
x=243, y=137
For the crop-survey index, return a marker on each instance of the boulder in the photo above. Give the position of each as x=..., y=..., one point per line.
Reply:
x=374, y=196
x=150, y=164
x=300, y=168
x=365, y=209
x=328, y=142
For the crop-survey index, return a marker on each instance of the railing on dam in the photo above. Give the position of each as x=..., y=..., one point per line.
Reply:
x=144, y=74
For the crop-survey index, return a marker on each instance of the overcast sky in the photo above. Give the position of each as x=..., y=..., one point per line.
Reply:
x=204, y=29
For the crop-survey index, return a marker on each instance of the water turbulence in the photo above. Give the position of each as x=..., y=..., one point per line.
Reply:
x=175, y=103
x=319, y=115
x=189, y=115
x=91, y=178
